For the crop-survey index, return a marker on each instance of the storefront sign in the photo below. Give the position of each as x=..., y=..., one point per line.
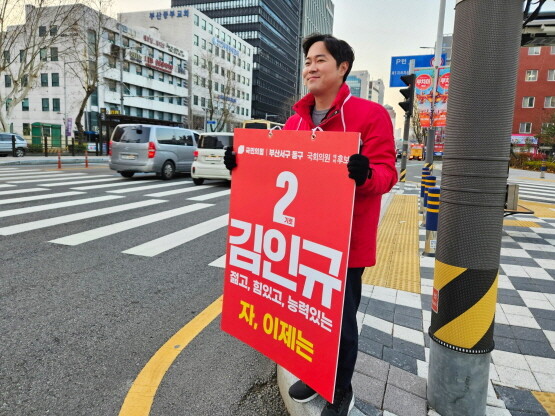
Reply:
x=288, y=248
x=158, y=64
x=168, y=14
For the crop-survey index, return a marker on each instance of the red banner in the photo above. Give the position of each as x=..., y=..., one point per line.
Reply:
x=289, y=232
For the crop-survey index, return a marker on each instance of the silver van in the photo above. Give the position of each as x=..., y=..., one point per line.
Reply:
x=149, y=148
x=6, y=145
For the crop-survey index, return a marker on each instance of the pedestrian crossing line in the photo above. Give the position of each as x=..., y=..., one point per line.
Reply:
x=537, y=198
x=180, y=191
x=34, y=173
x=38, y=208
x=206, y=197
x=141, y=188
x=4, y=169
x=10, y=170
x=38, y=197
x=522, y=191
x=64, y=219
x=6, y=186
x=22, y=191
x=38, y=179
x=163, y=244
x=50, y=185
x=219, y=262
x=86, y=236
x=124, y=182
x=539, y=188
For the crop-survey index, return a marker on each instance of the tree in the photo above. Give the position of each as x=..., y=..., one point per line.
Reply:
x=26, y=48
x=84, y=52
x=547, y=135
x=416, y=126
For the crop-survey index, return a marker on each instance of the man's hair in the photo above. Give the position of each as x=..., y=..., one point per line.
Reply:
x=339, y=49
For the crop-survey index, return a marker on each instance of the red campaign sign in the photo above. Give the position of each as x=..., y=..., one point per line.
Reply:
x=423, y=82
x=290, y=219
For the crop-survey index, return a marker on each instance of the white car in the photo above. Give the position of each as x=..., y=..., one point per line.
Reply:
x=209, y=157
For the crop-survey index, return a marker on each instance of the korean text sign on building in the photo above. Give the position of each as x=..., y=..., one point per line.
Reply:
x=289, y=232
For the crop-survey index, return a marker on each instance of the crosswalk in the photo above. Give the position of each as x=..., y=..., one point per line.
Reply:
x=536, y=191
x=37, y=199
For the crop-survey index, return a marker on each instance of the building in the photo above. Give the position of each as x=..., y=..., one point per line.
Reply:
x=392, y=115
x=317, y=17
x=359, y=82
x=221, y=64
x=149, y=80
x=272, y=27
x=535, y=91
x=376, y=90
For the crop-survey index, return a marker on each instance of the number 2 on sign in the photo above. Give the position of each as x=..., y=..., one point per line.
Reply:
x=290, y=180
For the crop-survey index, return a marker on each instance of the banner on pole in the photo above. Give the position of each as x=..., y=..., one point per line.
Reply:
x=442, y=92
x=287, y=250
x=423, y=90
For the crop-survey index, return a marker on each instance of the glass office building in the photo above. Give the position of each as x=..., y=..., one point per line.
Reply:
x=272, y=27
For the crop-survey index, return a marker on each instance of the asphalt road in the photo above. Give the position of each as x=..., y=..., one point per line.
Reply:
x=79, y=323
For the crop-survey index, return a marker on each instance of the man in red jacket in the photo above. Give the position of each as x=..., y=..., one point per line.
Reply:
x=329, y=106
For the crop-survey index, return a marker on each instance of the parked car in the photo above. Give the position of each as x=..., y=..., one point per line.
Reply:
x=6, y=145
x=150, y=148
x=209, y=157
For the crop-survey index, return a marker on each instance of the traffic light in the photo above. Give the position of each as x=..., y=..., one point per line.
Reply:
x=408, y=93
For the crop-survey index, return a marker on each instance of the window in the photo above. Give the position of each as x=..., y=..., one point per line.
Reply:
x=151, y=95
x=210, y=28
x=203, y=44
x=25, y=104
x=195, y=79
x=161, y=76
x=150, y=113
x=203, y=102
x=170, y=79
x=203, y=24
x=551, y=75
x=55, y=104
x=26, y=129
x=94, y=97
x=195, y=40
x=42, y=31
x=112, y=37
x=125, y=42
x=8, y=104
x=203, y=82
x=203, y=63
x=139, y=112
x=549, y=102
x=7, y=81
x=126, y=110
x=55, y=79
x=150, y=73
x=525, y=128
x=6, y=56
x=44, y=80
x=139, y=91
x=25, y=80
x=112, y=85
x=528, y=102
x=45, y=104
x=54, y=54
x=111, y=62
x=126, y=89
x=546, y=126
x=53, y=30
x=161, y=98
x=196, y=20
x=552, y=50
x=534, y=50
x=43, y=53
x=126, y=66
x=22, y=55
x=195, y=99
x=138, y=69
x=531, y=75
x=170, y=100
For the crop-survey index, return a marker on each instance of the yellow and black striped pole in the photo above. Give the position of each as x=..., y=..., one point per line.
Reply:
x=428, y=182
x=473, y=191
x=403, y=175
x=429, y=166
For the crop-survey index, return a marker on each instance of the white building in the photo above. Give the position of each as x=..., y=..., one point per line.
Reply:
x=358, y=82
x=221, y=62
x=154, y=75
x=376, y=91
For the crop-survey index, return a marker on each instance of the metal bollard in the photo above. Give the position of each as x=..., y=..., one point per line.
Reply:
x=13, y=145
x=432, y=216
x=425, y=173
x=543, y=168
x=45, y=146
x=86, y=159
x=59, y=160
x=428, y=183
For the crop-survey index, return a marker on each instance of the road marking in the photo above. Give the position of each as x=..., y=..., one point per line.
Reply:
x=219, y=262
x=38, y=197
x=141, y=188
x=21, y=191
x=37, y=208
x=86, y=236
x=162, y=244
x=140, y=396
x=6, y=186
x=10, y=170
x=210, y=196
x=124, y=182
x=35, y=225
x=179, y=191
x=36, y=172
x=43, y=179
x=80, y=182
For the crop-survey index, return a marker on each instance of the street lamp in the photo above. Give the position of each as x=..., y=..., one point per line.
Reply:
x=65, y=97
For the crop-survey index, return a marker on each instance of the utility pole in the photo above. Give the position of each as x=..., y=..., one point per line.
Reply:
x=431, y=140
x=121, y=55
x=473, y=186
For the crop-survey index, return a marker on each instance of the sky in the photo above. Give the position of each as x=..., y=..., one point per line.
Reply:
x=376, y=29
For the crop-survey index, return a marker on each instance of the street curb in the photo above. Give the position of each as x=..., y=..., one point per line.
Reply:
x=52, y=161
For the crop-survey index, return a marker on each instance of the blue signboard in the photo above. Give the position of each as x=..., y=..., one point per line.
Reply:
x=211, y=122
x=400, y=66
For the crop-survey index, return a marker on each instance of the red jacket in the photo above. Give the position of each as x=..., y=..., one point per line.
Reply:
x=371, y=120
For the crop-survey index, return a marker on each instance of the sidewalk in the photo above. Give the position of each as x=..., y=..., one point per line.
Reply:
x=394, y=316
x=36, y=159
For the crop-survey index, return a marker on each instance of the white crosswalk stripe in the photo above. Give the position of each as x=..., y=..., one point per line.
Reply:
x=22, y=191
x=63, y=177
x=536, y=191
x=180, y=191
x=155, y=186
x=210, y=196
x=40, y=208
x=64, y=219
x=6, y=186
x=124, y=182
x=162, y=244
x=109, y=179
x=36, y=173
x=80, y=238
x=38, y=197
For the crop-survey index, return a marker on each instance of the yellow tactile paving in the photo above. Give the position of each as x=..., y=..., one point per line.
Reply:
x=547, y=400
x=516, y=223
x=398, y=264
x=540, y=209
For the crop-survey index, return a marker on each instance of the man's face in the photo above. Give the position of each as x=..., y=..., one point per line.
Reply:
x=321, y=73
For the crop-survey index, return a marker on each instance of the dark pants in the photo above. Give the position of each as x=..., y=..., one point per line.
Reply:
x=348, y=345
